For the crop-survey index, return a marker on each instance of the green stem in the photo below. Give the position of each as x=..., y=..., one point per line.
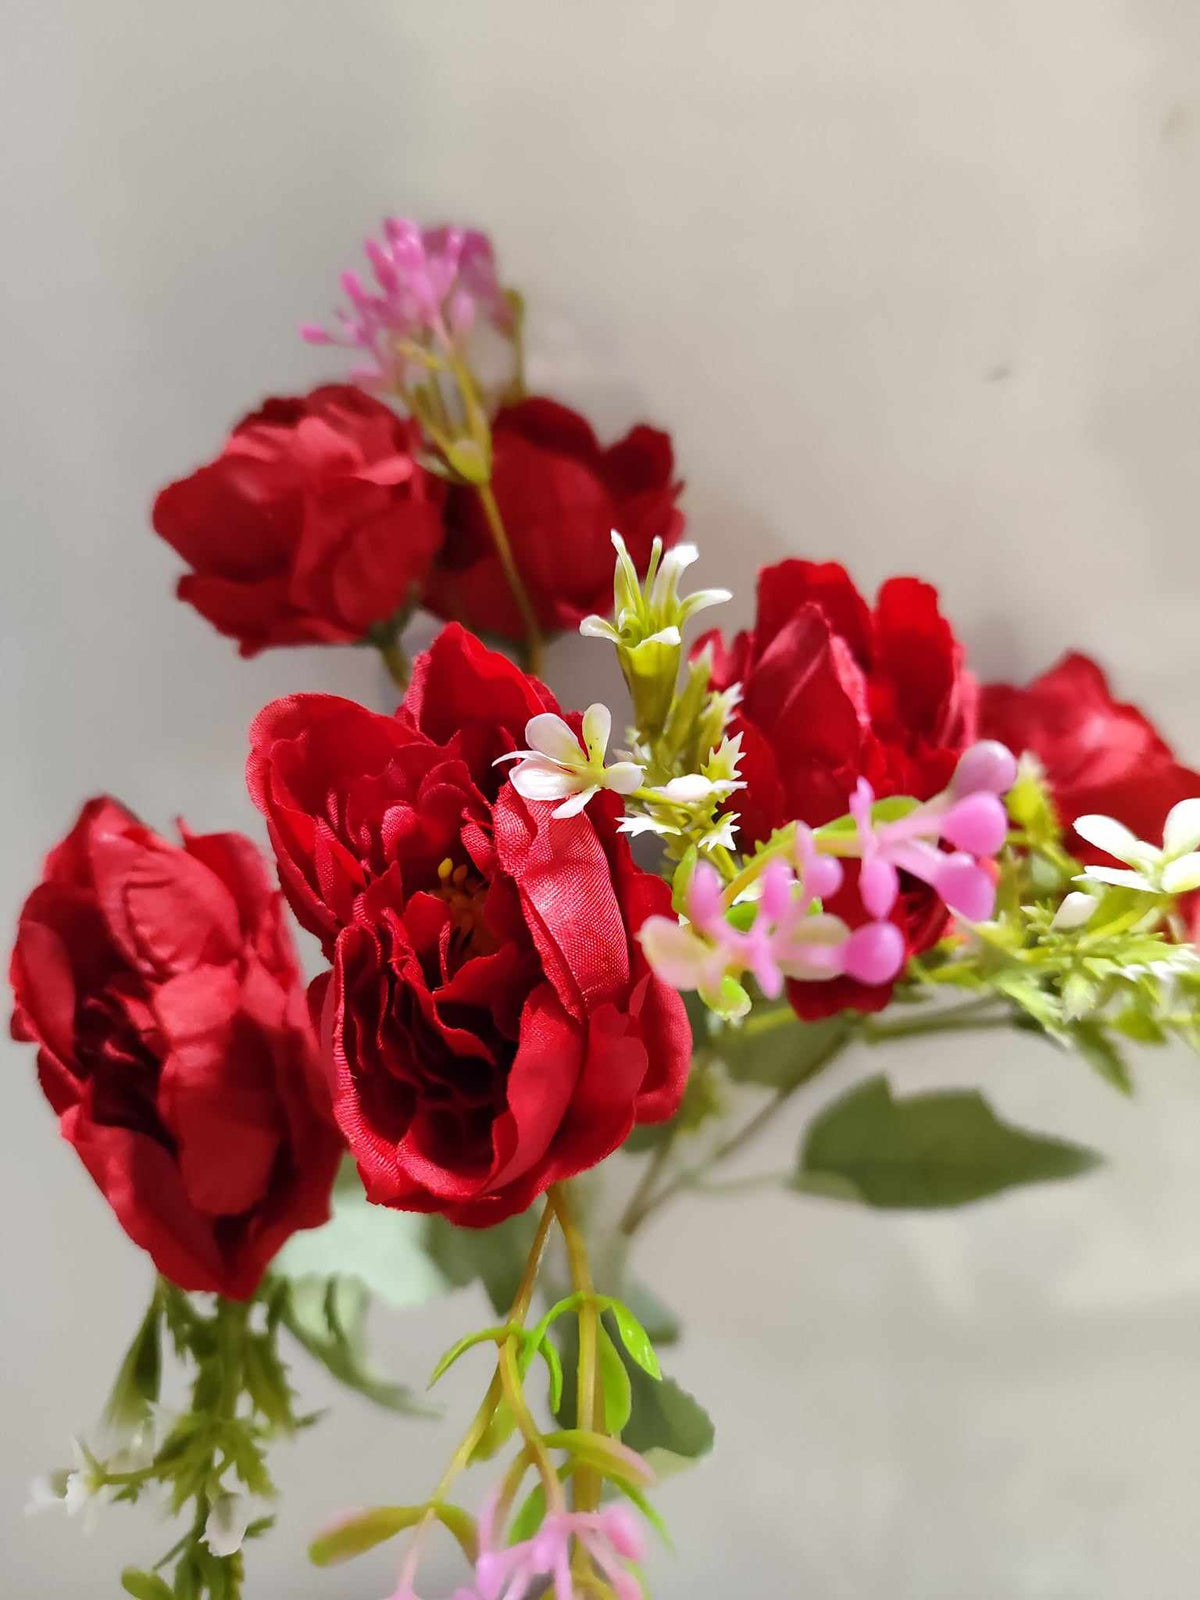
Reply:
x=636, y=1216
x=587, y=1484
x=512, y=576
x=496, y=1391
x=395, y=659
x=976, y=1014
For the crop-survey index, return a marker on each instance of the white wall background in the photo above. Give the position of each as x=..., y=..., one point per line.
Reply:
x=914, y=284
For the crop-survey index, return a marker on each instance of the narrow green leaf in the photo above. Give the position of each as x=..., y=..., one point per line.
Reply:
x=529, y=1517
x=1097, y=1048
x=608, y=1456
x=614, y=1383
x=144, y=1585
x=328, y=1319
x=550, y=1356
x=635, y=1339
x=945, y=1148
x=362, y=1531
x=460, y=1347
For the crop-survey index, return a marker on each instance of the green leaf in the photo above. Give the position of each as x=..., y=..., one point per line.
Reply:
x=529, y=1517
x=666, y=1424
x=661, y=1325
x=328, y=1318
x=635, y=1339
x=777, y=1051
x=362, y=1531
x=384, y=1248
x=145, y=1585
x=1099, y=1051
x=495, y=1256
x=608, y=1456
x=549, y=1354
x=460, y=1347
x=614, y=1383
x=138, y=1382
x=945, y=1148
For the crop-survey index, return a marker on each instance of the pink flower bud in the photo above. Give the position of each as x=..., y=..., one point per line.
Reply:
x=965, y=887
x=874, y=953
x=988, y=765
x=978, y=823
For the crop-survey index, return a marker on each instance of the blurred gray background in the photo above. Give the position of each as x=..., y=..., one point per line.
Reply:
x=915, y=285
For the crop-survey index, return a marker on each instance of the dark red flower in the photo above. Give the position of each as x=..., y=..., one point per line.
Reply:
x=835, y=690
x=313, y=525
x=160, y=986
x=492, y=1023
x=1097, y=754
x=560, y=496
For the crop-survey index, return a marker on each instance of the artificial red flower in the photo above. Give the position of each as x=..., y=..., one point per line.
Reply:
x=1098, y=754
x=314, y=525
x=560, y=496
x=834, y=690
x=160, y=986
x=491, y=1022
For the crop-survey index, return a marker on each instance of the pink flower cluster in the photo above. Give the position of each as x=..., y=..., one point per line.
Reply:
x=786, y=939
x=431, y=285
x=611, y=1536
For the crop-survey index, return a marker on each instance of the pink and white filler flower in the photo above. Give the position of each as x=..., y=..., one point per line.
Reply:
x=431, y=286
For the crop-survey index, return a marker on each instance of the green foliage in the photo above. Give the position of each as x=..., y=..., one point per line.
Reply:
x=495, y=1256
x=615, y=1388
x=328, y=1317
x=145, y=1585
x=139, y=1380
x=930, y=1150
x=383, y=1248
x=214, y=1452
x=354, y=1535
x=666, y=1425
x=775, y=1050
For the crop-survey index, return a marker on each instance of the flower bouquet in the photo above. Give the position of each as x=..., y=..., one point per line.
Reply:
x=568, y=969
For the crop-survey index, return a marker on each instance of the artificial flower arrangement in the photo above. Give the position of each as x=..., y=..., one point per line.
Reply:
x=542, y=952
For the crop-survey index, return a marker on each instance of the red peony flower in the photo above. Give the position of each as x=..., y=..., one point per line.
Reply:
x=492, y=1024
x=313, y=525
x=1098, y=755
x=160, y=986
x=835, y=690
x=560, y=496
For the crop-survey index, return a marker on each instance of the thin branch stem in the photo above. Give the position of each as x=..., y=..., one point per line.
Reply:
x=587, y=1484
x=737, y=1141
x=497, y=1390
x=512, y=576
x=395, y=659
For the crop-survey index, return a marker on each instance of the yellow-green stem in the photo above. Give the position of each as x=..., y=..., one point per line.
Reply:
x=587, y=1483
x=482, y=1420
x=512, y=576
x=395, y=659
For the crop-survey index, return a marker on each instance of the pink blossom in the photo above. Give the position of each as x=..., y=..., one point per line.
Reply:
x=611, y=1536
x=431, y=285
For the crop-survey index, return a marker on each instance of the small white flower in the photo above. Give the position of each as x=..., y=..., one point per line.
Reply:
x=226, y=1525
x=1076, y=910
x=1173, y=869
x=557, y=767
x=694, y=787
x=721, y=834
x=638, y=823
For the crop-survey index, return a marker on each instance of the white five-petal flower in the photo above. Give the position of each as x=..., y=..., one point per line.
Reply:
x=557, y=767
x=1173, y=869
